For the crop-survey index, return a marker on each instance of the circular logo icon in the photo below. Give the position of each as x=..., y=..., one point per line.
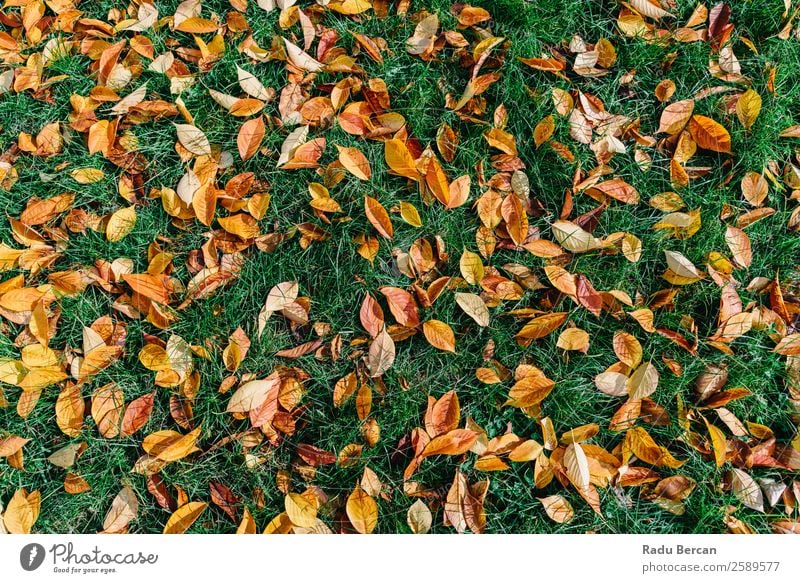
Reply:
x=31, y=556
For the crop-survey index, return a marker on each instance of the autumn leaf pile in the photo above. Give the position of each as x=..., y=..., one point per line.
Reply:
x=548, y=306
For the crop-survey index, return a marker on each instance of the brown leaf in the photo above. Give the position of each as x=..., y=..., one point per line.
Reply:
x=222, y=496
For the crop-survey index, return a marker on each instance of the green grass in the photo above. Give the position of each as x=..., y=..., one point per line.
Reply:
x=336, y=278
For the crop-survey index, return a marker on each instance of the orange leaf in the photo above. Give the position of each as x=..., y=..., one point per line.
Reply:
x=444, y=415
x=136, y=414
x=402, y=306
x=250, y=136
x=184, y=517
x=355, y=162
x=516, y=220
x=371, y=316
x=709, y=134
x=541, y=326
x=378, y=216
x=439, y=335
x=455, y=442
x=675, y=117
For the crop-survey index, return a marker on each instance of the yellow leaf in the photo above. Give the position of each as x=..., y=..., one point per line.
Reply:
x=362, y=511
x=718, y=443
x=87, y=175
x=121, y=224
x=573, y=339
x=301, y=511
x=748, y=107
x=184, y=517
x=410, y=214
x=22, y=511
x=399, y=159
x=471, y=266
x=170, y=446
